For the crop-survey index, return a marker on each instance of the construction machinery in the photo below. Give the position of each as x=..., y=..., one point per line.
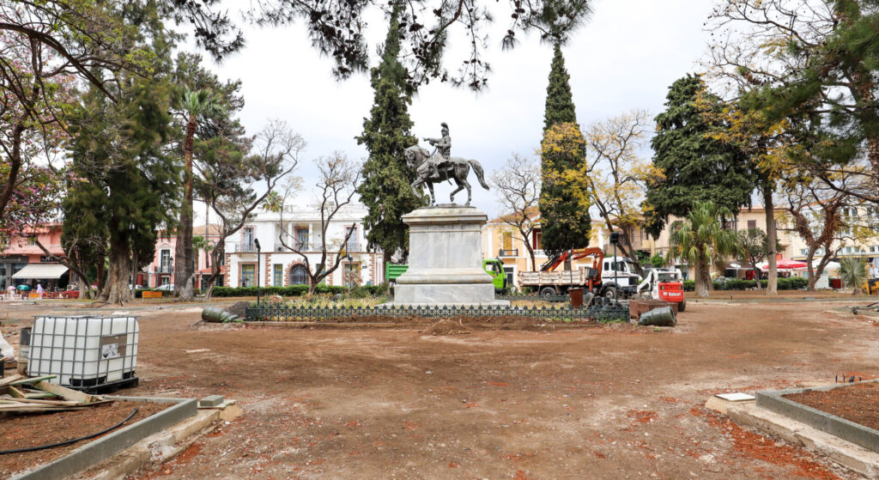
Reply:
x=607, y=277
x=664, y=284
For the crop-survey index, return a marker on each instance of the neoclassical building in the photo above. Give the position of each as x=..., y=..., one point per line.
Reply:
x=300, y=227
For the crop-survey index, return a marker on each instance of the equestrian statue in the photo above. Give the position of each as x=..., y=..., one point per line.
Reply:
x=441, y=166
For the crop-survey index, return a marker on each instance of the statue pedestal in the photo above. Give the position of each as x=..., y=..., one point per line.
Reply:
x=445, y=259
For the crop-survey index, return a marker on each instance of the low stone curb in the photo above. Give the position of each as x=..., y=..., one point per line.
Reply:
x=105, y=447
x=161, y=447
x=852, y=432
x=844, y=453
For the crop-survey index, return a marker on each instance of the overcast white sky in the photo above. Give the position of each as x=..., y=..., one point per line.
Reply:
x=625, y=57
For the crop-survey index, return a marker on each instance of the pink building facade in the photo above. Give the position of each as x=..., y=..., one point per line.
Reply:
x=161, y=270
x=23, y=262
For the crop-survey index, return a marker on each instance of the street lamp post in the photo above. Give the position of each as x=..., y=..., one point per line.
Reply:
x=256, y=243
x=615, y=240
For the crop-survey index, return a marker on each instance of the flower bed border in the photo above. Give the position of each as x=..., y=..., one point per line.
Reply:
x=847, y=430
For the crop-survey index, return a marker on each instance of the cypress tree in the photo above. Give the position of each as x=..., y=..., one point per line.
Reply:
x=385, y=189
x=564, y=207
x=697, y=166
x=559, y=101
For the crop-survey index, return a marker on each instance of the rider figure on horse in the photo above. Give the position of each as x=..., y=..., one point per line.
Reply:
x=443, y=151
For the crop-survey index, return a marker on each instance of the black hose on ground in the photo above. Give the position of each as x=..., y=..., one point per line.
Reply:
x=68, y=442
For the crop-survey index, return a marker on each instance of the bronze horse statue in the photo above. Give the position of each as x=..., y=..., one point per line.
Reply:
x=455, y=168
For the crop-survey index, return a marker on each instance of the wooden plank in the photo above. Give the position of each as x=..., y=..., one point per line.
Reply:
x=12, y=378
x=36, y=408
x=48, y=403
x=16, y=393
x=66, y=393
x=29, y=381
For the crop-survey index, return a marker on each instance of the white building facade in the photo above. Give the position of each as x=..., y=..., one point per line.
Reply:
x=301, y=228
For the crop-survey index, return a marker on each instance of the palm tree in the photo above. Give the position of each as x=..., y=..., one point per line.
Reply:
x=192, y=105
x=200, y=243
x=273, y=202
x=853, y=272
x=702, y=240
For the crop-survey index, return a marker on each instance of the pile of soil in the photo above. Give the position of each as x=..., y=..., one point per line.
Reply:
x=32, y=430
x=855, y=403
x=447, y=327
x=237, y=308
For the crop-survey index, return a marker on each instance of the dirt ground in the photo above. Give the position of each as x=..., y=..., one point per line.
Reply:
x=35, y=429
x=858, y=403
x=614, y=402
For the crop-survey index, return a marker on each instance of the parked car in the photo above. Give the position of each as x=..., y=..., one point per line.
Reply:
x=165, y=288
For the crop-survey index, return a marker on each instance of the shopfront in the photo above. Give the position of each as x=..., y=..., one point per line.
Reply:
x=10, y=265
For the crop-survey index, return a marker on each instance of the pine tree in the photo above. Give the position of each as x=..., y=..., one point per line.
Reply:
x=697, y=166
x=385, y=189
x=564, y=205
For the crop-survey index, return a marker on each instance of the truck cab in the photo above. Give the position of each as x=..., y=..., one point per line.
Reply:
x=618, y=276
x=495, y=268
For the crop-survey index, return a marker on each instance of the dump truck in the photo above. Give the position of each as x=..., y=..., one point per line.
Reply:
x=492, y=266
x=610, y=277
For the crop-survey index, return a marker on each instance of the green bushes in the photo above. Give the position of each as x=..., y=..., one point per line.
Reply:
x=300, y=290
x=793, y=283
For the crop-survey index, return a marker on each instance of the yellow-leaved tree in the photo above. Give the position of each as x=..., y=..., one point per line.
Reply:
x=564, y=198
x=616, y=176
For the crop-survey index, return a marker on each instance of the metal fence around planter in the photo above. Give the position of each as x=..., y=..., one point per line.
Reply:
x=601, y=313
x=534, y=297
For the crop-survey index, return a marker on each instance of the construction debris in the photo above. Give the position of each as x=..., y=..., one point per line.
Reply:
x=19, y=394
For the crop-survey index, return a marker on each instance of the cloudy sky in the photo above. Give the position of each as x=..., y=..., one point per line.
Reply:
x=624, y=58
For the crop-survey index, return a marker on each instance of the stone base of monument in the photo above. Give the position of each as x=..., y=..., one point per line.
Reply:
x=445, y=260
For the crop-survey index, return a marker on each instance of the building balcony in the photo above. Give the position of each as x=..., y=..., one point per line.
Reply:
x=241, y=248
x=508, y=252
x=163, y=269
x=303, y=247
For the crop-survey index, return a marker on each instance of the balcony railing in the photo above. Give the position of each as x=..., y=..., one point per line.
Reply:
x=305, y=247
x=508, y=252
x=241, y=248
x=163, y=269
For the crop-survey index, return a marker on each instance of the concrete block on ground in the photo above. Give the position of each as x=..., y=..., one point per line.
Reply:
x=720, y=405
x=210, y=401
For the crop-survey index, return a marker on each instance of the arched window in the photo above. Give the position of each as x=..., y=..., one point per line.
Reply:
x=299, y=275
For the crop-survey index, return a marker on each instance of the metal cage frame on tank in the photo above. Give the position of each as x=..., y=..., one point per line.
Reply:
x=77, y=355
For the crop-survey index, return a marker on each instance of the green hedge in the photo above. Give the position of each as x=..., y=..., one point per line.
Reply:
x=793, y=283
x=299, y=290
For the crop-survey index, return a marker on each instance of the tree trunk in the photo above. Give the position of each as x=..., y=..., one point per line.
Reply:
x=116, y=289
x=703, y=278
x=217, y=253
x=813, y=279
x=14, y=167
x=771, y=241
x=183, y=266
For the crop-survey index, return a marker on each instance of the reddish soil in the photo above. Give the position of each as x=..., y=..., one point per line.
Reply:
x=608, y=402
x=855, y=403
x=35, y=429
x=758, y=447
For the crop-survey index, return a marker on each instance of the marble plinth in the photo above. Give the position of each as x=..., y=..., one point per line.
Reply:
x=445, y=259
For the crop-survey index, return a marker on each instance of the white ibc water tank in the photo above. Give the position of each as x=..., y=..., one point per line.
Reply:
x=83, y=350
